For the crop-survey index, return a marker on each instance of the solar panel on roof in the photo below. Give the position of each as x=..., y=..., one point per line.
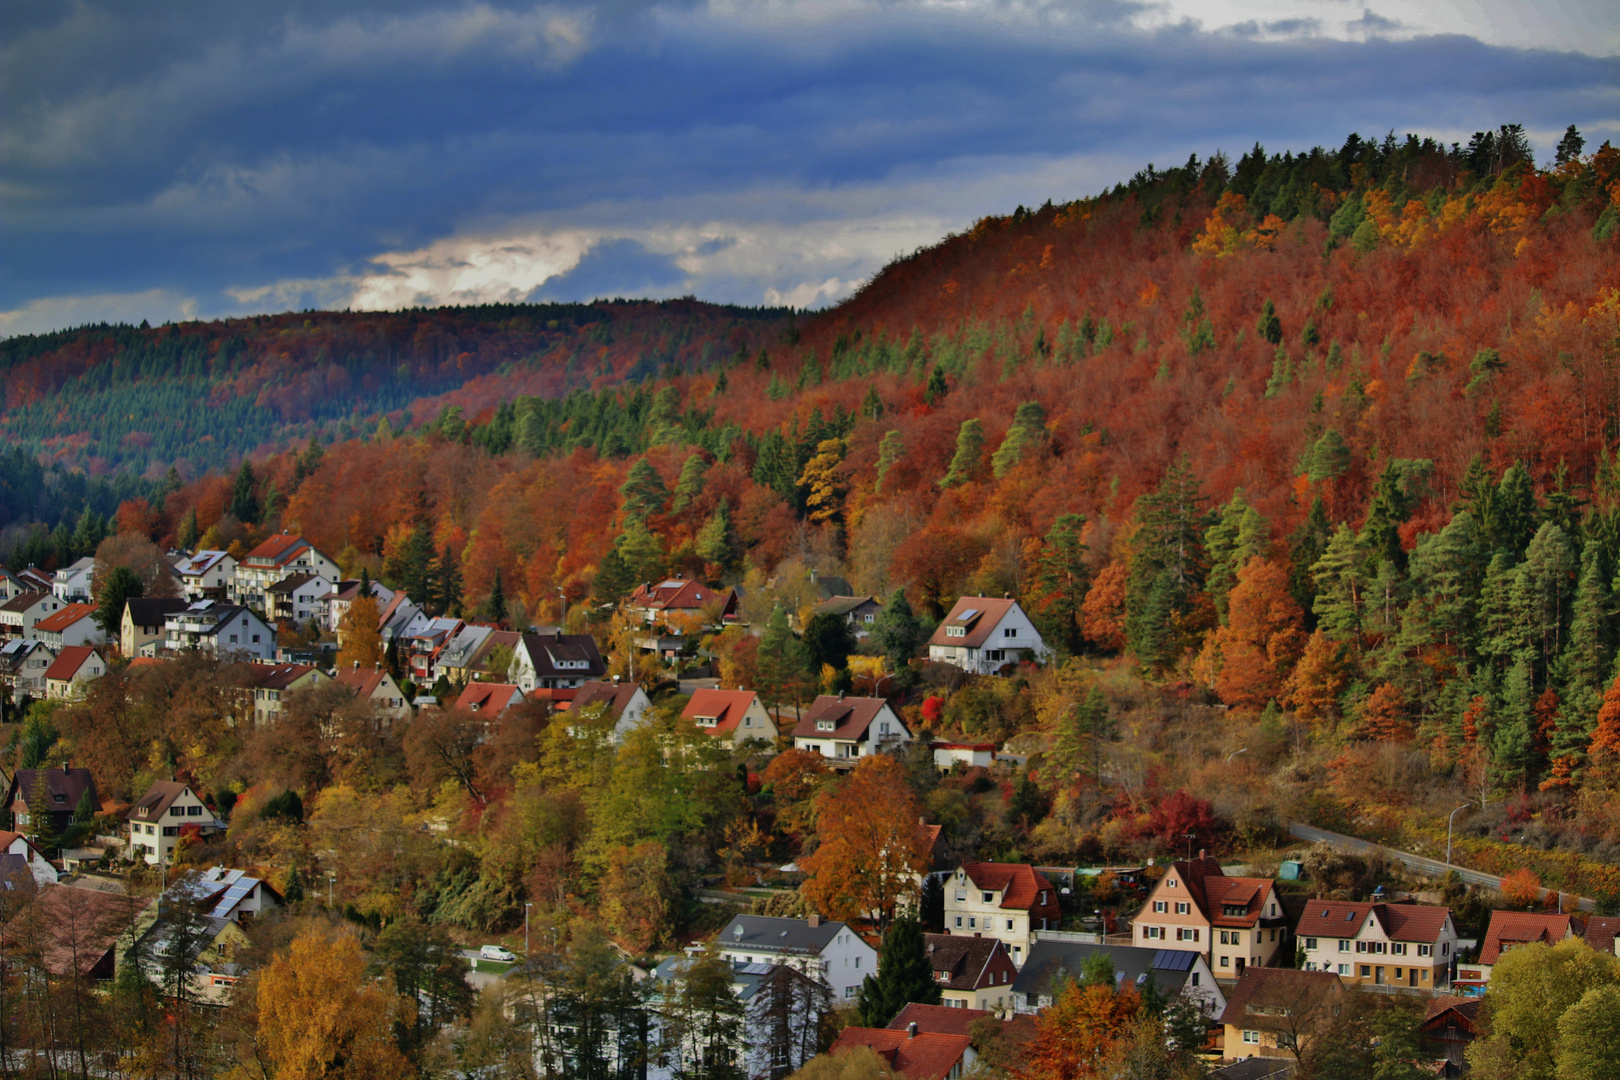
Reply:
x=1173, y=959
x=232, y=897
x=968, y=614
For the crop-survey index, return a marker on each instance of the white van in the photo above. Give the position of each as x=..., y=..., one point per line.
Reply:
x=497, y=952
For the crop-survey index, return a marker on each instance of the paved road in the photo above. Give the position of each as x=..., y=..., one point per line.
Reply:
x=480, y=979
x=1431, y=867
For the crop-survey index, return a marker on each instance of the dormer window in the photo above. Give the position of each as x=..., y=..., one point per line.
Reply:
x=956, y=631
x=824, y=725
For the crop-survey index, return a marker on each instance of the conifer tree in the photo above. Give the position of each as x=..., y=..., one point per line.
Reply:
x=1239, y=535
x=937, y=387
x=495, y=603
x=783, y=665
x=714, y=541
x=449, y=582
x=643, y=491
x=904, y=975
x=898, y=634
x=186, y=537
x=890, y=450
x=690, y=483
x=969, y=454
x=1028, y=431
x=1061, y=579
x=1168, y=570
x=1341, y=588
x=244, y=502
x=1307, y=544
x=1269, y=327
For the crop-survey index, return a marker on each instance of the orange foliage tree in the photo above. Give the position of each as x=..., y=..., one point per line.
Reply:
x=870, y=852
x=1262, y=640
x=1077, y=1031
x=1103, y=612
x=1521, y=888
x=1313, y=690
x=1384, y=717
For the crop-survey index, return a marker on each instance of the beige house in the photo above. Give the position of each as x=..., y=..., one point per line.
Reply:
x=1278, y=1012
x=378, y=687
x=972, y=972
x=1409, y=945
x=845, y=729
x=73, y=667
x=732, y=716
x=142, y=623
x=272, y=684
x=1006, y=901
x=156, y=821
x=1237, y=923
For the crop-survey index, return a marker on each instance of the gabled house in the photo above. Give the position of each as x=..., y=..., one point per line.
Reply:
x=157, y=819
x=277, y=558
x=488, y=698
x=270, y=684
x=206, y=575
x=1510, y=929
x=842, y=729
x=420, y=650
x=71, y=584
x=299, y=598
x=733, y=716
x=19, y=853
x=981, y=635
x=23, y=663
x=550, y=661
x=21, y=614
x=1237, y=923
x=222, y=630
x=623, y=704
x=376, y=686
x=11, y=585
x=456, y=659
x=1176, y=972
x=948, y=755
x=55, y=792
x=1008, y=901
x=782, y=1013
x=35, y=580
x=73, y=667
x=75, y=624
x=828, y=951
x=1279, y=1012
x=208, y=944
x=1603, y=934
x=860, y=612
x=911, y=1052
x=143, y=622
x=1409, y=945
x=973, y=973
x=399, y=619
x=82, y=930
x=1449, y=1026
x=681, y=596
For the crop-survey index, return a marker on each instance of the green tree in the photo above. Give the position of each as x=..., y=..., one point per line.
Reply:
x=690, y=483
x=714, y=543
x=890, y=450
x=1240, y=534
x=1307, y=544
x=495, y=602
x=782, y=666
x=703, y=1020
x=899, y=635
x=969, y=455
x=937, y=387
x=1167, y=572
x=1532, y=988
x=186, y=537
x=1330, y=457
x=1028, y=431
x=643, y=491
x=448, y=572
x=1061, y=579
x=1588, y=1046
x=428, y=968
x=828, y=639
x=1341, y=579
x=121, y=586
x=904, y=975
x=1269, y=327
x=643, y=555
x=244, y=502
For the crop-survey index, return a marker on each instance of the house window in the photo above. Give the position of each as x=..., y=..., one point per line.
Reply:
x=194, y=811
x=1398, y=948
x=1344, y=946
x=1445, y=948
x=177, y=811
x=1226, y=961
x=171, y=830
x=1183, y=909
x=973, y=923
x=1425, y=950
x=959, y=922
x=1011, y=631
x=1195, y=978
x=961, y=896
x=955, y=631
x=1251, y=1037
x=1009, y=924
x=987, y=897
x=1365, y=971
x=1344, y=969
x=1310, y=943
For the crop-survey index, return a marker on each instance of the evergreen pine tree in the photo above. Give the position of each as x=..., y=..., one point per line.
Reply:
x=643, y=491
x=449, y=582
x=1341, y=587
x=898, y=634
x=244, y=501
x=186, y=537
x=293, y=891
x=1062, y=577
x=1239, y=535
x=937, y=387
x=1168, y=570
x=1027, y=432
x=495, y=602
x=890, y=450
x=714, y=541
x=904, y=975
x=1270, y=327
x=783, y=665
x=690, y=483
x=969, y=454
x=121, y=585
x=1307, y=544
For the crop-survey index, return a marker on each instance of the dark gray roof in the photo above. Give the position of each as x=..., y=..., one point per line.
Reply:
x=843, y=605
x=762, y=932
x=150, y=610
x=1256, y=1068
x=1169, y=967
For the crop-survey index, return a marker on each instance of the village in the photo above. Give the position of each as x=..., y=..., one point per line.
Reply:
x=892, y=939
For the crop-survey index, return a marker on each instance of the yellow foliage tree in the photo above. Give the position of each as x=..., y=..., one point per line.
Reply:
x=871, y=851
x=359, y=641
x=322, y=1016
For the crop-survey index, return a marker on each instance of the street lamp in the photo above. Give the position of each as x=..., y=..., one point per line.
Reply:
x=1189, y=836
x=1449, y=818
x=330, y=878
x=527, y=904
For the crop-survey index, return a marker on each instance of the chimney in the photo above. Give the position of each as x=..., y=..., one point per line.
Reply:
x=1201, y=853
x=814, y=920
x=911, y=1030
x=922, y=820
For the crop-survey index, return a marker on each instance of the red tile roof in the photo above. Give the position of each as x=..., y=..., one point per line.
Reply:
x=615, y=696
x=488, y=697
x=1020, y=885
x=1401, y=922
x=58, y=621
x=725, y=707
x=1601, y=931
x=1211, y=889
x=363, y=681
x=69, y=661
x=936, y=1019
x=1269, y=987
x=925, y=1056
x=987, y=613
x=278, y=676
x=277, y=549
x=1509, y=928
x=677, y=594
x=1467, y=1010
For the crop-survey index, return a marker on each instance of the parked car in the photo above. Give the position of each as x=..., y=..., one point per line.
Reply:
x=499, y=953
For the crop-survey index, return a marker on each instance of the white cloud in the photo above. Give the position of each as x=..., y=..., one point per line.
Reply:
x=59, y=312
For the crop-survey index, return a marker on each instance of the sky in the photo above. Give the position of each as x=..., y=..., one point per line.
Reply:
x=193, y=159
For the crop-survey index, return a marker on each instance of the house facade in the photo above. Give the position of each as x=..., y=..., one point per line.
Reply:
x=1279, y=1012
x=19, y=855
x=1409, y=945
x=277, y=558
x=206, y=575
x=981, y=635
x=23, y=663
x=1007, y=901
x=1509, y=930
x=71, y=584
x=142, y=622
x=844, y=729
x=1237, y=923
x=972, y=972
x=222, y=630
x=74, y=666
x=299, y=598
x=681, y=596
x=624, y=705
x=828, y=951
x=75, y=624
x=156, y=821
x=552, y=661
x=21, y=614
x=54, y=792
x=488, y=698
x=273, y=683
x=860, y=612
x=378, y=687
x=733, y=717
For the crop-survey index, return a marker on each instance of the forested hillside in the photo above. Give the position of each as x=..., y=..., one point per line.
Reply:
x=1331, y=430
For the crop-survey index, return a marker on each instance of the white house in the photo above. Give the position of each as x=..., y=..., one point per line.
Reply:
x=221, y=629
x=156, y=820
x=74, y=666
x=206, y=574
x=1409, y=945
x=17, y=855
x=981, y=634
x=1007, y=901
x=829, y=951
x=624, y=703
x=279, y=557
x=299, y=598
x=842, y=729
x=23, y=663
x=75, y=624
x=72, y=583
x=555, y=661
x=21, y=614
